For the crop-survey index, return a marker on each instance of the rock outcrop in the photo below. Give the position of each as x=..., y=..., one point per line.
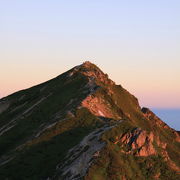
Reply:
x=137, y=142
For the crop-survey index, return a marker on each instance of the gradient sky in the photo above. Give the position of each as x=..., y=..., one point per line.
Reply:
x=136, y=42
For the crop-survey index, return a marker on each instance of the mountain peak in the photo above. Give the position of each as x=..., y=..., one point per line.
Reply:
x=92, y=72
x=81, y=125
x=87, y=63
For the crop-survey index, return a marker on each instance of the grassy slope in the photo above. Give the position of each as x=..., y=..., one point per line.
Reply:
x=113, y=164
x=39, y=160
x=62, y=93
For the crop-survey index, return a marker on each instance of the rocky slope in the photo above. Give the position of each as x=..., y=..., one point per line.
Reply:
x=81, y=125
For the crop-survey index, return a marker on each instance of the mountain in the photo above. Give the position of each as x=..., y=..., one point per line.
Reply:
x=81, y=125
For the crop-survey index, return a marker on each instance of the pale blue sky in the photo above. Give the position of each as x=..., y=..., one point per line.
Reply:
x=136, y=42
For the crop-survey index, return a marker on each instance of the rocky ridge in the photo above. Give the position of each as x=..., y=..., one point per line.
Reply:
x=81, y=125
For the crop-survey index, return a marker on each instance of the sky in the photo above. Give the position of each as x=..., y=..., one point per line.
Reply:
x=136, y=42
x=170, y=117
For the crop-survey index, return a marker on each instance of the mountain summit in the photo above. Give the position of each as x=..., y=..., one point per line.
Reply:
x=81, y=125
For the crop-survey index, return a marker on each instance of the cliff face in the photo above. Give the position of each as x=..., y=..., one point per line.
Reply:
x=81, y=125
